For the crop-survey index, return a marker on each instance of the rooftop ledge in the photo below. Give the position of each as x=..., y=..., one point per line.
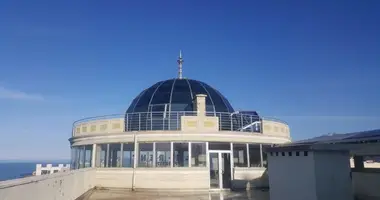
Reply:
x=180, y=121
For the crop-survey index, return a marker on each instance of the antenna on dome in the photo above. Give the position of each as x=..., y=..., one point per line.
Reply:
x=180, y=61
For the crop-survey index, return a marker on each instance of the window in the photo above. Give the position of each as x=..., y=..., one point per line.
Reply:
x=162, y=154
x=240, y=155
x=128, y=154
x=81, y=157
x=180, y=154
x=219, y=146
x=73, y=157
x=254, y=155
x=198, y=154
x=265, y=156
x=114, y=155
x=101, y=155
x=145, y=155
x=87, y=155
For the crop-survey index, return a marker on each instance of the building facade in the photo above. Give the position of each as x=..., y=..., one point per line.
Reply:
x=177, y=134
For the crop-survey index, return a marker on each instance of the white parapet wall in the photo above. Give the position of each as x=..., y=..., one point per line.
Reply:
x=50, y=169
x=58, y=186
x=250, y=177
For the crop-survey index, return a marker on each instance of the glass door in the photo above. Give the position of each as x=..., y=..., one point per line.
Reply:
x=220, y=170
x=214, y=171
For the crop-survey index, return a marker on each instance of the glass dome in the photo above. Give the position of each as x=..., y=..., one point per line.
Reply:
x=178, y=95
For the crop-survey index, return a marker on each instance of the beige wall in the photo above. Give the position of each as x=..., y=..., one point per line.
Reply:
x=157, y=178
x=275, y=128
x=99, y=126
x=59, y=186
x=194, y=124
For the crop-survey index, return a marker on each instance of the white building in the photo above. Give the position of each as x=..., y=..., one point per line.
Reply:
x=50, y=169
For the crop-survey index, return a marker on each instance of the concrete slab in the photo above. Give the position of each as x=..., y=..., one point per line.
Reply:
x=111, y=194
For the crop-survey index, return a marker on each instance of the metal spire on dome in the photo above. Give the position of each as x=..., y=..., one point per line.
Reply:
x=180, y=61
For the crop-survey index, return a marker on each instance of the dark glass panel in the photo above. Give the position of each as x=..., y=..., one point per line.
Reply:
x=220, y=105
x=162, y=96
x=134, y=102
x=181, y=95
x=143, y=102
x=197, y=88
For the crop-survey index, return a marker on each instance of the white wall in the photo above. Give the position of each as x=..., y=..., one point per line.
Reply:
x=249, y=177
x=291, y=177
x=366, y=184
x=59, y=186
x=332, y=172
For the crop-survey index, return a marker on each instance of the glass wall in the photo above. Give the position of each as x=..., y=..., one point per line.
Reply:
x=255, y=155
x=145, y=155
x=198, y=155
x=128, y=154
x=114, y=155
x=87, y=155
x=163, y=154
x=101, y=155
x=180, y=154
x=240, y=155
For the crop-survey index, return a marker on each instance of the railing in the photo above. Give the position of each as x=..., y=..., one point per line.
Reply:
x=150, y=121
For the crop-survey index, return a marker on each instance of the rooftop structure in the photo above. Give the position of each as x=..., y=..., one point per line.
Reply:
x=181, y=126
x=178, y=134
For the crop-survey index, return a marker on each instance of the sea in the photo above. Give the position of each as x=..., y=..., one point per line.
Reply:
x=18, y=169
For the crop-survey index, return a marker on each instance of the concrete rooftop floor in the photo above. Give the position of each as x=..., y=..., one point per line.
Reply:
x=113, y=194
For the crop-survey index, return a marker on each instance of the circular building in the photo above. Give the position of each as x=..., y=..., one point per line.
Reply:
x=177, y=134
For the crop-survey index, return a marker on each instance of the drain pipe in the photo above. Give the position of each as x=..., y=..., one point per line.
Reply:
x=134, y=161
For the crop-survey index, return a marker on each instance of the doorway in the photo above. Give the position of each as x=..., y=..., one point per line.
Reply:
x=220, y=169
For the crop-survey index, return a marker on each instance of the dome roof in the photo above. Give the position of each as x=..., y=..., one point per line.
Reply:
x=178, y=95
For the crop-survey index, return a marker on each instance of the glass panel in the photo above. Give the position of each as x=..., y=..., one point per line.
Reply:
x=254, y=155
x=217, y=99
x=145, y=155
x=128, y=154
x=214, y=170
x=181, y=154
x=162, y=154
x=114, y=155
x=226, y=169
x=101, y=152
x=143, y=102
x=198, y=154
x=197, y=88
x=219, y=146
x=240, y=155
x=81, y=157
x=265, y=157
x=162, y=95
x=73, y=157
x=88, y=156
x=181, y=97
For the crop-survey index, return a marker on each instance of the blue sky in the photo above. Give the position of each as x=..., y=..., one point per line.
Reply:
x=314, y=64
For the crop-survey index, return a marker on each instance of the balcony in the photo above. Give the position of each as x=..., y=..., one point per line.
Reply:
x=171, y=121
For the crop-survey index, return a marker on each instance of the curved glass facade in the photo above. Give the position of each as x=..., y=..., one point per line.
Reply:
x=178, y=95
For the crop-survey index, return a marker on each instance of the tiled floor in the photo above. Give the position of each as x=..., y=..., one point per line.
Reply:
x=162, y=195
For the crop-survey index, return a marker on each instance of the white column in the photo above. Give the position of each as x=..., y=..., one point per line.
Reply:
x=207, y=156
x=232, y=161
x=171, y=154
x=121, y=154
x=189, y=149
x=154, y=154
x=93, y=156
x=261, y=155
x=248, y=161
